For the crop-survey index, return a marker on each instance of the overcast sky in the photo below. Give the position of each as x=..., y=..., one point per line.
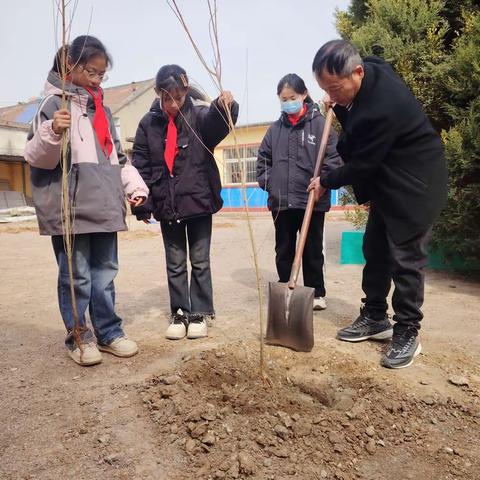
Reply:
x=260, y=41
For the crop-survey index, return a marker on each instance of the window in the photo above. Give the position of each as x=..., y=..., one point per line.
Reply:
x=117, y=123
x=248, y=159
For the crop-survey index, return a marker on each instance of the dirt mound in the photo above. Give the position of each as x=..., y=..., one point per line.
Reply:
x=335, y=420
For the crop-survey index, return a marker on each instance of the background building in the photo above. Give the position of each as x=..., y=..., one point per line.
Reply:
x=14, y=171
x=128, y=103
x=249, y=138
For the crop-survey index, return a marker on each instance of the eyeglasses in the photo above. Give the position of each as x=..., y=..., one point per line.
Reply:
x=91, y=74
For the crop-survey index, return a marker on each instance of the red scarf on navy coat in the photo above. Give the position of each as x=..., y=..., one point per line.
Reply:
x=171, y=148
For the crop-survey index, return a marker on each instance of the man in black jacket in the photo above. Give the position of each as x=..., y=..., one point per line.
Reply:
x=393, y=159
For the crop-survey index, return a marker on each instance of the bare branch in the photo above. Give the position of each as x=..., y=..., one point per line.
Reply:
x=66, y=206
x=173, y=5
x=217, y=76
x=84, y=42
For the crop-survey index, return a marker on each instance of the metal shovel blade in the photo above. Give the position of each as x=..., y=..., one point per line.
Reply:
x=290, y=317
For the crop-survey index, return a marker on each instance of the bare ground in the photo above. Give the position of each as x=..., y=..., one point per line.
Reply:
x=198, y=409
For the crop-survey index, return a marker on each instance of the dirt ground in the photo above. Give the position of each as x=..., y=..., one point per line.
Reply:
x=197, y=409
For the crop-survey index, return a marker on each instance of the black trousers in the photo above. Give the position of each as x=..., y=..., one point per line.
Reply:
x=287, y=225
x=197, y=232
x=404, y=264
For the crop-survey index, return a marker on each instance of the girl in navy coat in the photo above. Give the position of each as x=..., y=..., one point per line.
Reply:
x=173, y=151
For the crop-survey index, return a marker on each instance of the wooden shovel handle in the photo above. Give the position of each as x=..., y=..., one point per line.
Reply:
x=311, y=202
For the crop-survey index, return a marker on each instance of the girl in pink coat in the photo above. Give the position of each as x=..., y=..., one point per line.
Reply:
x=100, y=179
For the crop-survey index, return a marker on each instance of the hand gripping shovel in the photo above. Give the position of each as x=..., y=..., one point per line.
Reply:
x=290, y=307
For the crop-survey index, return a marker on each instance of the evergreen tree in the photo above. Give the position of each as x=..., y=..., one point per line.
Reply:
x=434, y=45
x=409, y=35
x=458, y=228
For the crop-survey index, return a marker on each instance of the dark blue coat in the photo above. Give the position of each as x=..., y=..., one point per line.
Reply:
x=286, y=160
x=194, y=187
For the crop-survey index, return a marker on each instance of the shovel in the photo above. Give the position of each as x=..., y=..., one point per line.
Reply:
x=290, y=307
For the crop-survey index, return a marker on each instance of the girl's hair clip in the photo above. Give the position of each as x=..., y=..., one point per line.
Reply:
x=184, y=80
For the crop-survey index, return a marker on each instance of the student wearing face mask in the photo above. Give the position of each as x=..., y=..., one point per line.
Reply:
x=285, y=165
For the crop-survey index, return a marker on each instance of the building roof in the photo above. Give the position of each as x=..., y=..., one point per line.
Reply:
x=116, y=98
x=12, y=113
x=120, y=96
x=14, y=125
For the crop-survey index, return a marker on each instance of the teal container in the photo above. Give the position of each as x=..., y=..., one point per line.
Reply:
x=440, y=260
x=351, y=248
x=351, y=254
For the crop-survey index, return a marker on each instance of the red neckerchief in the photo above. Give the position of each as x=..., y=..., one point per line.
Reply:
x=100, y=122
x=171, y=148
x=295, y=117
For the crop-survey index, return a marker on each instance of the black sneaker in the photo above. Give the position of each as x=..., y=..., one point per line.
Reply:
x=366, y=328
x=405, y=347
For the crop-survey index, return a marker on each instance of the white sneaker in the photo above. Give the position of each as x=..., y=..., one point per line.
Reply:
x=319, y=303
x=178, y=326
x=197, y=326
x=121, y=347
x=89, y=356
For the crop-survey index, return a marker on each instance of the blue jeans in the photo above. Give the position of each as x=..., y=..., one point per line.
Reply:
x=198, y=233
x=95, y=265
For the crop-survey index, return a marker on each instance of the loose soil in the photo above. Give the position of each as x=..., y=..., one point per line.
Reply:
x=199, y=409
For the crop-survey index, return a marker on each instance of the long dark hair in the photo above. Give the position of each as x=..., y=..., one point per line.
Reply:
x=296, y=83
x=171, y=77
x=80, y=51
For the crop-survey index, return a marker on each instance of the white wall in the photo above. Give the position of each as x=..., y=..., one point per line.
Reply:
x=128, y=118
x=12, y=141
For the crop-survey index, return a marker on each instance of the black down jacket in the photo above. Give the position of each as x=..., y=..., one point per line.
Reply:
x=194, y=187
x=286, y=160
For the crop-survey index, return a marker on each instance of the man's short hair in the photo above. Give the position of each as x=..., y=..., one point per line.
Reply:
x=337, y=57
